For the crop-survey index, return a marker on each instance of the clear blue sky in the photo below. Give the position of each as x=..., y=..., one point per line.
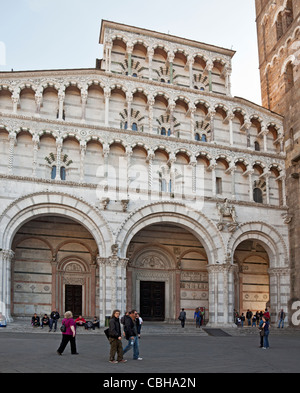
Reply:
x=57, y=34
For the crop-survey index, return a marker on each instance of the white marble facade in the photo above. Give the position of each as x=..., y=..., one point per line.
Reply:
x=172, y=179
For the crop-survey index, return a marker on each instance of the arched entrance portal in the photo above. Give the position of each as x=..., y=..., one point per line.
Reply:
x=54, y=268
x=167, y=271
x=252, y=280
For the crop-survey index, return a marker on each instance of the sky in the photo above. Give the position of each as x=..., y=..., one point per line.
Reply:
x=64, y=34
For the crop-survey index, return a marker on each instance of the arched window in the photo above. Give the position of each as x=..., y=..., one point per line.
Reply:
x=125, y=125
x=163, y=185
x=203, y=138
x=289, y=13
x=291, y=137
x=53, y=172
x=256, y=146
x=134, y=75
x=289, y=77
x=279, y=26
x=134, y=127
x=163, y=131
x=257, y=195
x=197, y=137
x=169, y=132
x=63, y=173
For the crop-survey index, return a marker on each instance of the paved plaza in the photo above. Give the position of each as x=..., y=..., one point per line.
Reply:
x=164, y=349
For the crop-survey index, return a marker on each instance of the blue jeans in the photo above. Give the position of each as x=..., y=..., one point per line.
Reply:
x=134, y=344
x=51, y=322
x=281, y=321
x=266, y=339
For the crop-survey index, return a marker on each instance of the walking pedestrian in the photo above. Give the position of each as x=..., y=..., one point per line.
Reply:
x=131, y=335
x=69, y=334
x=115, y=338
x=266, y=326
x=281, y=317
x=182, y=317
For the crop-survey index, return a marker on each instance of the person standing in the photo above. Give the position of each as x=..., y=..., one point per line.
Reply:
x=281, y=317
x=115, y=338
x=54, y=317
x=131, y=335
x=182, y=317
x=249, y=317
x=198, y=317
x=69, y=335
x=265, y=327
x=261, y=333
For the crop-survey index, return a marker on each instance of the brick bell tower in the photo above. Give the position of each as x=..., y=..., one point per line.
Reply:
x=278, y=33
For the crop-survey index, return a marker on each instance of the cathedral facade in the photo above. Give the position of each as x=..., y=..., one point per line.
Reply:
x=141, y=183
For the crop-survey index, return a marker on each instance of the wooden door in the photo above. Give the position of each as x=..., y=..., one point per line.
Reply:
x=152, y=300
x=73, y=299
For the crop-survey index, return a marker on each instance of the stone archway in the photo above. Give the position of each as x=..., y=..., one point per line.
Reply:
x=50, y=254
x=43, y=204
x=252, y=279
x=268, y=239
x=167, y=271
x=177, y=214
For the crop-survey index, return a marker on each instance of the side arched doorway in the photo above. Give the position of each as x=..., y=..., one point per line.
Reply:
x=54, y=268
x=167, y=271
x=252, y=281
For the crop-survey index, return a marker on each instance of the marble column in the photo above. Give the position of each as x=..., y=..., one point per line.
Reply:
x=12, y=143
x=6, y=257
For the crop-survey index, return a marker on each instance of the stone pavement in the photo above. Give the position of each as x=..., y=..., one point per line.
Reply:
x=164, y=349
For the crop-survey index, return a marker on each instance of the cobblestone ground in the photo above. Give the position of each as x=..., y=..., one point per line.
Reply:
x=164, y=349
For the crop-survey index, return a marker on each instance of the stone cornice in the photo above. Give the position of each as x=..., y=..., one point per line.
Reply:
x=162, y=36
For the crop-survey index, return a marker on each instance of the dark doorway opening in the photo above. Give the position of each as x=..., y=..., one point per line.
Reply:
x=152, y=300
x=73, y=299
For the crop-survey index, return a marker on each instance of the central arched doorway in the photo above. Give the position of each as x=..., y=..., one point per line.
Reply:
x=167, y=271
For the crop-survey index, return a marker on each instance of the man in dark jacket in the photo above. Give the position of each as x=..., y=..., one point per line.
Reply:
x=115, y=338
x=54, y=317
x=131, y=334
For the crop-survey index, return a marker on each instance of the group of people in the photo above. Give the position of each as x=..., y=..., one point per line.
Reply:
x=132, y=323
x=198, y=317
x=46, y=320
x=262, y=321
x=252, y=319
x=52, y=320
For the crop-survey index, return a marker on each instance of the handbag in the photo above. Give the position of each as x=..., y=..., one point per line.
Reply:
x=262, y=332
x=106, y=332
x=63, y=328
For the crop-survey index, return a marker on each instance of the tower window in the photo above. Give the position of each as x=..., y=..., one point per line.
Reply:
x=289, y=77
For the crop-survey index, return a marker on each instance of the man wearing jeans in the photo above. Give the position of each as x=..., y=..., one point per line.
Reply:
x=54, y=317
x=281, y=317
x=130, y=330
